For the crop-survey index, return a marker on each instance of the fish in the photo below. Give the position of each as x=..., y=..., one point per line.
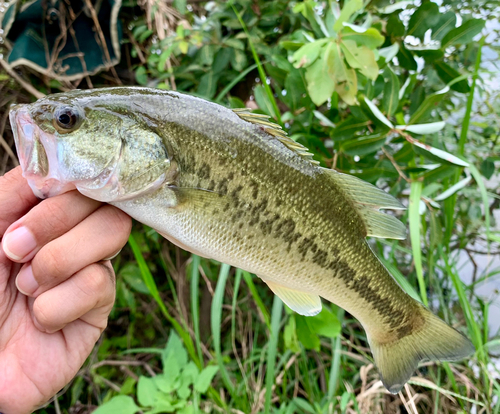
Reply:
x=230, y=185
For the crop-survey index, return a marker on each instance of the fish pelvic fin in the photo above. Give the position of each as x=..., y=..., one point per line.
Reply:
x=434, y=340
x=303, y=303
x=368, y=200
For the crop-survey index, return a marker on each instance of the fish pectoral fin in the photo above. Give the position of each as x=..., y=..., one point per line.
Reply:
x=368, y=200
x=306, y=304
x=197, y=198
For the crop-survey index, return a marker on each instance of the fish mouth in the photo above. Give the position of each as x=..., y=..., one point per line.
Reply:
x=37, y=154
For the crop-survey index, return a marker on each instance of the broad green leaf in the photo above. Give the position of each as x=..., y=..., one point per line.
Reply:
x=350, y=7
x=361, y=58
x=390, y=99
x=239, y=60
x=319, y=83
x=439, y=153
x=324, y=323
x=487, y=168
x=147, y=392
x=395, y=27
x=336, y=65
x=308, y=54
x=405, y=58
x=446, y=22
x=423, y=128
x=141, y=75
x=463, y=34
x=429, y=103
x=263, y=100
x=296, y=92
x=208, y=85
x=379, y=115
x=348, y=89
x=205, y=378
x=447, y=74
x=306, y=337
x=365, y=145
x=371, y=38
x=120, y=404
x=180, y=5
x=423, y=19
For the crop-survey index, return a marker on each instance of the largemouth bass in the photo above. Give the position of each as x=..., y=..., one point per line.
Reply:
x=229, y=185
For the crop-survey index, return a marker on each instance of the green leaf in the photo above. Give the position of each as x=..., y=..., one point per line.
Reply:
x=463, y=34
x=371, y=38
x=290, y=335
x=348, y=89
x=208, y=85
x=336, y=65
x=348, y=128
x=361, y=58
x=239, y=60
x=263, y=101
x=350, y=7
x=319, y=83
x=429, y=103
x=390, y=99
x=205, y=378
x=487, y=168
x=379, y=115
x=180, y=5
x=365, y=145
x=306, y=337
x=147, y=392
x=141, y=76
x=447, y=74
x=120, y=404
x=423, y=19
x=446, y=22
x=393, y=7
x=296, y=91
x=405, y=58
x=324, y=323
x=308, y=54
x=423, y=128
x=436, y=152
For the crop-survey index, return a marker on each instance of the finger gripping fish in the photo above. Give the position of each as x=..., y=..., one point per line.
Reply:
x=230, y=185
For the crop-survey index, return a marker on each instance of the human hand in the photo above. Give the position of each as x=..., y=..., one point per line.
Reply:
x=53, y=251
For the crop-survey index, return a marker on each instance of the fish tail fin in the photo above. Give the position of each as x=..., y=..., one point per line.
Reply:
x=433, y=340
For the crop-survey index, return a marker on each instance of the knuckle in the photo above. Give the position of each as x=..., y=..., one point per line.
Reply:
x=49, y=263
x=97, y=281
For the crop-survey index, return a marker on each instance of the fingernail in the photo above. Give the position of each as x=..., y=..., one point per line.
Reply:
x=25, y=281
x=18, y=243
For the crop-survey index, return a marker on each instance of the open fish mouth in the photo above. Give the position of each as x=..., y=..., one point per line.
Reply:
x=37, y=155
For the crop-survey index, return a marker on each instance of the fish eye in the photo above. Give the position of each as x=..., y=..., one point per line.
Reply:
x=66, y=118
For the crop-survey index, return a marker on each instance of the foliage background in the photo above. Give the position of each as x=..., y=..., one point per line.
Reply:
x=320, y=69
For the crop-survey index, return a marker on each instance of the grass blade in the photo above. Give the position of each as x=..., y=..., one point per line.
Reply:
x=272, y=350
x=195, y=309
x=414, y=217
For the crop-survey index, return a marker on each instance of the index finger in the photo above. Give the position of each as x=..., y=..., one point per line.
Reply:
x=16, y=198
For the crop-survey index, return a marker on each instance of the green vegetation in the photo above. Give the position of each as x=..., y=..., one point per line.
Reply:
x=399, y=94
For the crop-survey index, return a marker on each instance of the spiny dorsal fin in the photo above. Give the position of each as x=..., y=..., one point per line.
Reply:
x=276, y=131
x=368, y=200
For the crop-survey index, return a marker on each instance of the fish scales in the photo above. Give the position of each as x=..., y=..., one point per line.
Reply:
x=231, y=186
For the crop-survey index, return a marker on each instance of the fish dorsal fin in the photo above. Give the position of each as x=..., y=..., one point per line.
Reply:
x=306, y=304
x=368, y=200
x=276, y=131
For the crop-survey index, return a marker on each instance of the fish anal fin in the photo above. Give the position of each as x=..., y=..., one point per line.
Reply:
x=368, y=200
x=306, y=304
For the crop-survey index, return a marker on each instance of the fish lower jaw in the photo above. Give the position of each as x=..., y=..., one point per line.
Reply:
x=49, y=187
